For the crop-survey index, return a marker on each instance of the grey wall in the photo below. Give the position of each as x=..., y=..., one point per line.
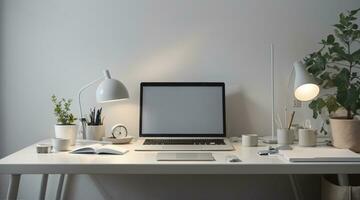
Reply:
x=54, y=47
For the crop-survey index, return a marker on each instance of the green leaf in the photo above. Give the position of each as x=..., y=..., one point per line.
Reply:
x=330, y=39
x=342, y=80
x=353, y=12
x=356, y=55
x=332, y=104
x=342, y=19
x=348, y=98
x=317, y=105
x=313, y=107
x=339, y=26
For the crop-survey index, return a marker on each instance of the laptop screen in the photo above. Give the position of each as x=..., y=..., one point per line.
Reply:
x=182, y=109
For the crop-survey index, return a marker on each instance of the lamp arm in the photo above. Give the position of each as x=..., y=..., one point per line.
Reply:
x=84, y=88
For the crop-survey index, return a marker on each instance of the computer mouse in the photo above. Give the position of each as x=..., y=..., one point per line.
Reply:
x=235, y=160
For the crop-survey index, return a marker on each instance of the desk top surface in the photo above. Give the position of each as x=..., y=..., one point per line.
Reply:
x=27, y=161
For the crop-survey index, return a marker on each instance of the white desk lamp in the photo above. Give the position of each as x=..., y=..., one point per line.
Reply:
x=109, y=90
x=305, y=89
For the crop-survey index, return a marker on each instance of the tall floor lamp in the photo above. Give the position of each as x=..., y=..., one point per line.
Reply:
x=109, y=90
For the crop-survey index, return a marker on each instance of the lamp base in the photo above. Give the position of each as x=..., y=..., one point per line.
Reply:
x=269, y=140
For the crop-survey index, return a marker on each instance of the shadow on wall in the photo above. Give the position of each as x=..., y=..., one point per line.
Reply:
x=241, y=115
x=165, y=62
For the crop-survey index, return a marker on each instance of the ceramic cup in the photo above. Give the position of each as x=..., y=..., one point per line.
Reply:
x=60, y=144
x=284, y=136
x=249, y=140
x=307, y=137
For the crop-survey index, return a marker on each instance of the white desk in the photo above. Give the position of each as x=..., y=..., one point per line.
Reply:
x=27, y=161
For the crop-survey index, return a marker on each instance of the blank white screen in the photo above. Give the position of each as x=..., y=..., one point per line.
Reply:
x=182, y=110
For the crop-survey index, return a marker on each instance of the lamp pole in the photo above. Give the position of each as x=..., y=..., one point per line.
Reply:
x=272, y=140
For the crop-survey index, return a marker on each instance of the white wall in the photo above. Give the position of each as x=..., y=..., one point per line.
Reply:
x=54, y=47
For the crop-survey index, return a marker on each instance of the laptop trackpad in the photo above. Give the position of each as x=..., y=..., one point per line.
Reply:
x=185, y=157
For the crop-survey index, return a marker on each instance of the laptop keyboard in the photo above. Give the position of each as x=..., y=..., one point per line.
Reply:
x=184, y=142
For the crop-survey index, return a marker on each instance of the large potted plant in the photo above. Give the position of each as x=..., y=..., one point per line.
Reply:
x=65, y=127
x=336, y=67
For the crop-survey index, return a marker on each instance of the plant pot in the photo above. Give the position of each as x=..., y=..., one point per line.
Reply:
x=346, y=133
x=95, y=132
x=66, y=132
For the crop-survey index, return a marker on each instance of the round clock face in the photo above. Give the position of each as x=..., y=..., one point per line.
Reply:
x=119, y=131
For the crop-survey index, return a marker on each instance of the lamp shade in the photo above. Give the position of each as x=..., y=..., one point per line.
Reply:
x=110, y=90
x=305, y=87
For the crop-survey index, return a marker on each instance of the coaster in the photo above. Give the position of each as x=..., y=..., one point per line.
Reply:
x=124, y=140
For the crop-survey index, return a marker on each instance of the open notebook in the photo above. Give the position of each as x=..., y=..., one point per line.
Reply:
x=319, y=154
x=100, y=149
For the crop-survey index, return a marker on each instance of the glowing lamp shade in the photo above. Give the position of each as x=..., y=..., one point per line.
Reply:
x=110, y=90
x=305, y=87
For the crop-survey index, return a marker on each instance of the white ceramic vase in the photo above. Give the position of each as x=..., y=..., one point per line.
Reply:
x=66, y=132
x=95, y=132
x=346, y=133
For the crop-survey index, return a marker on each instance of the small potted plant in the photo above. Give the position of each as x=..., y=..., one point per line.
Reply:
x=336, y=66
x=95, y=129
x=65, y=127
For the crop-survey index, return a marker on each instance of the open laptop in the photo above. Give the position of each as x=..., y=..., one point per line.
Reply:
x=182, y=116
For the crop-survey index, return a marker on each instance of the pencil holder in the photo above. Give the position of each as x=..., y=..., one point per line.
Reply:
x=284, y=136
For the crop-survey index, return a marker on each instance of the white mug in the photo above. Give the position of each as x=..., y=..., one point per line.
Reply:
x=307, y=137
x=249, y=140
x=284, y=136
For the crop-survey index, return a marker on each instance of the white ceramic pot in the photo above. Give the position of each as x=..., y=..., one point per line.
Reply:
x=346, y=133
x=95, y=132
x=67, y=132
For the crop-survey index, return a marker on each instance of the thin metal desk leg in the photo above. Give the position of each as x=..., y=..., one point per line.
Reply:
x=43, y=187
x=13, y=186
x=295, y=186
x=60, y=187
x=66, y=187
x=343, y=179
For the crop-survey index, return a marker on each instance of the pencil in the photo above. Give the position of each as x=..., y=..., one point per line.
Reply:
x=291, y=119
